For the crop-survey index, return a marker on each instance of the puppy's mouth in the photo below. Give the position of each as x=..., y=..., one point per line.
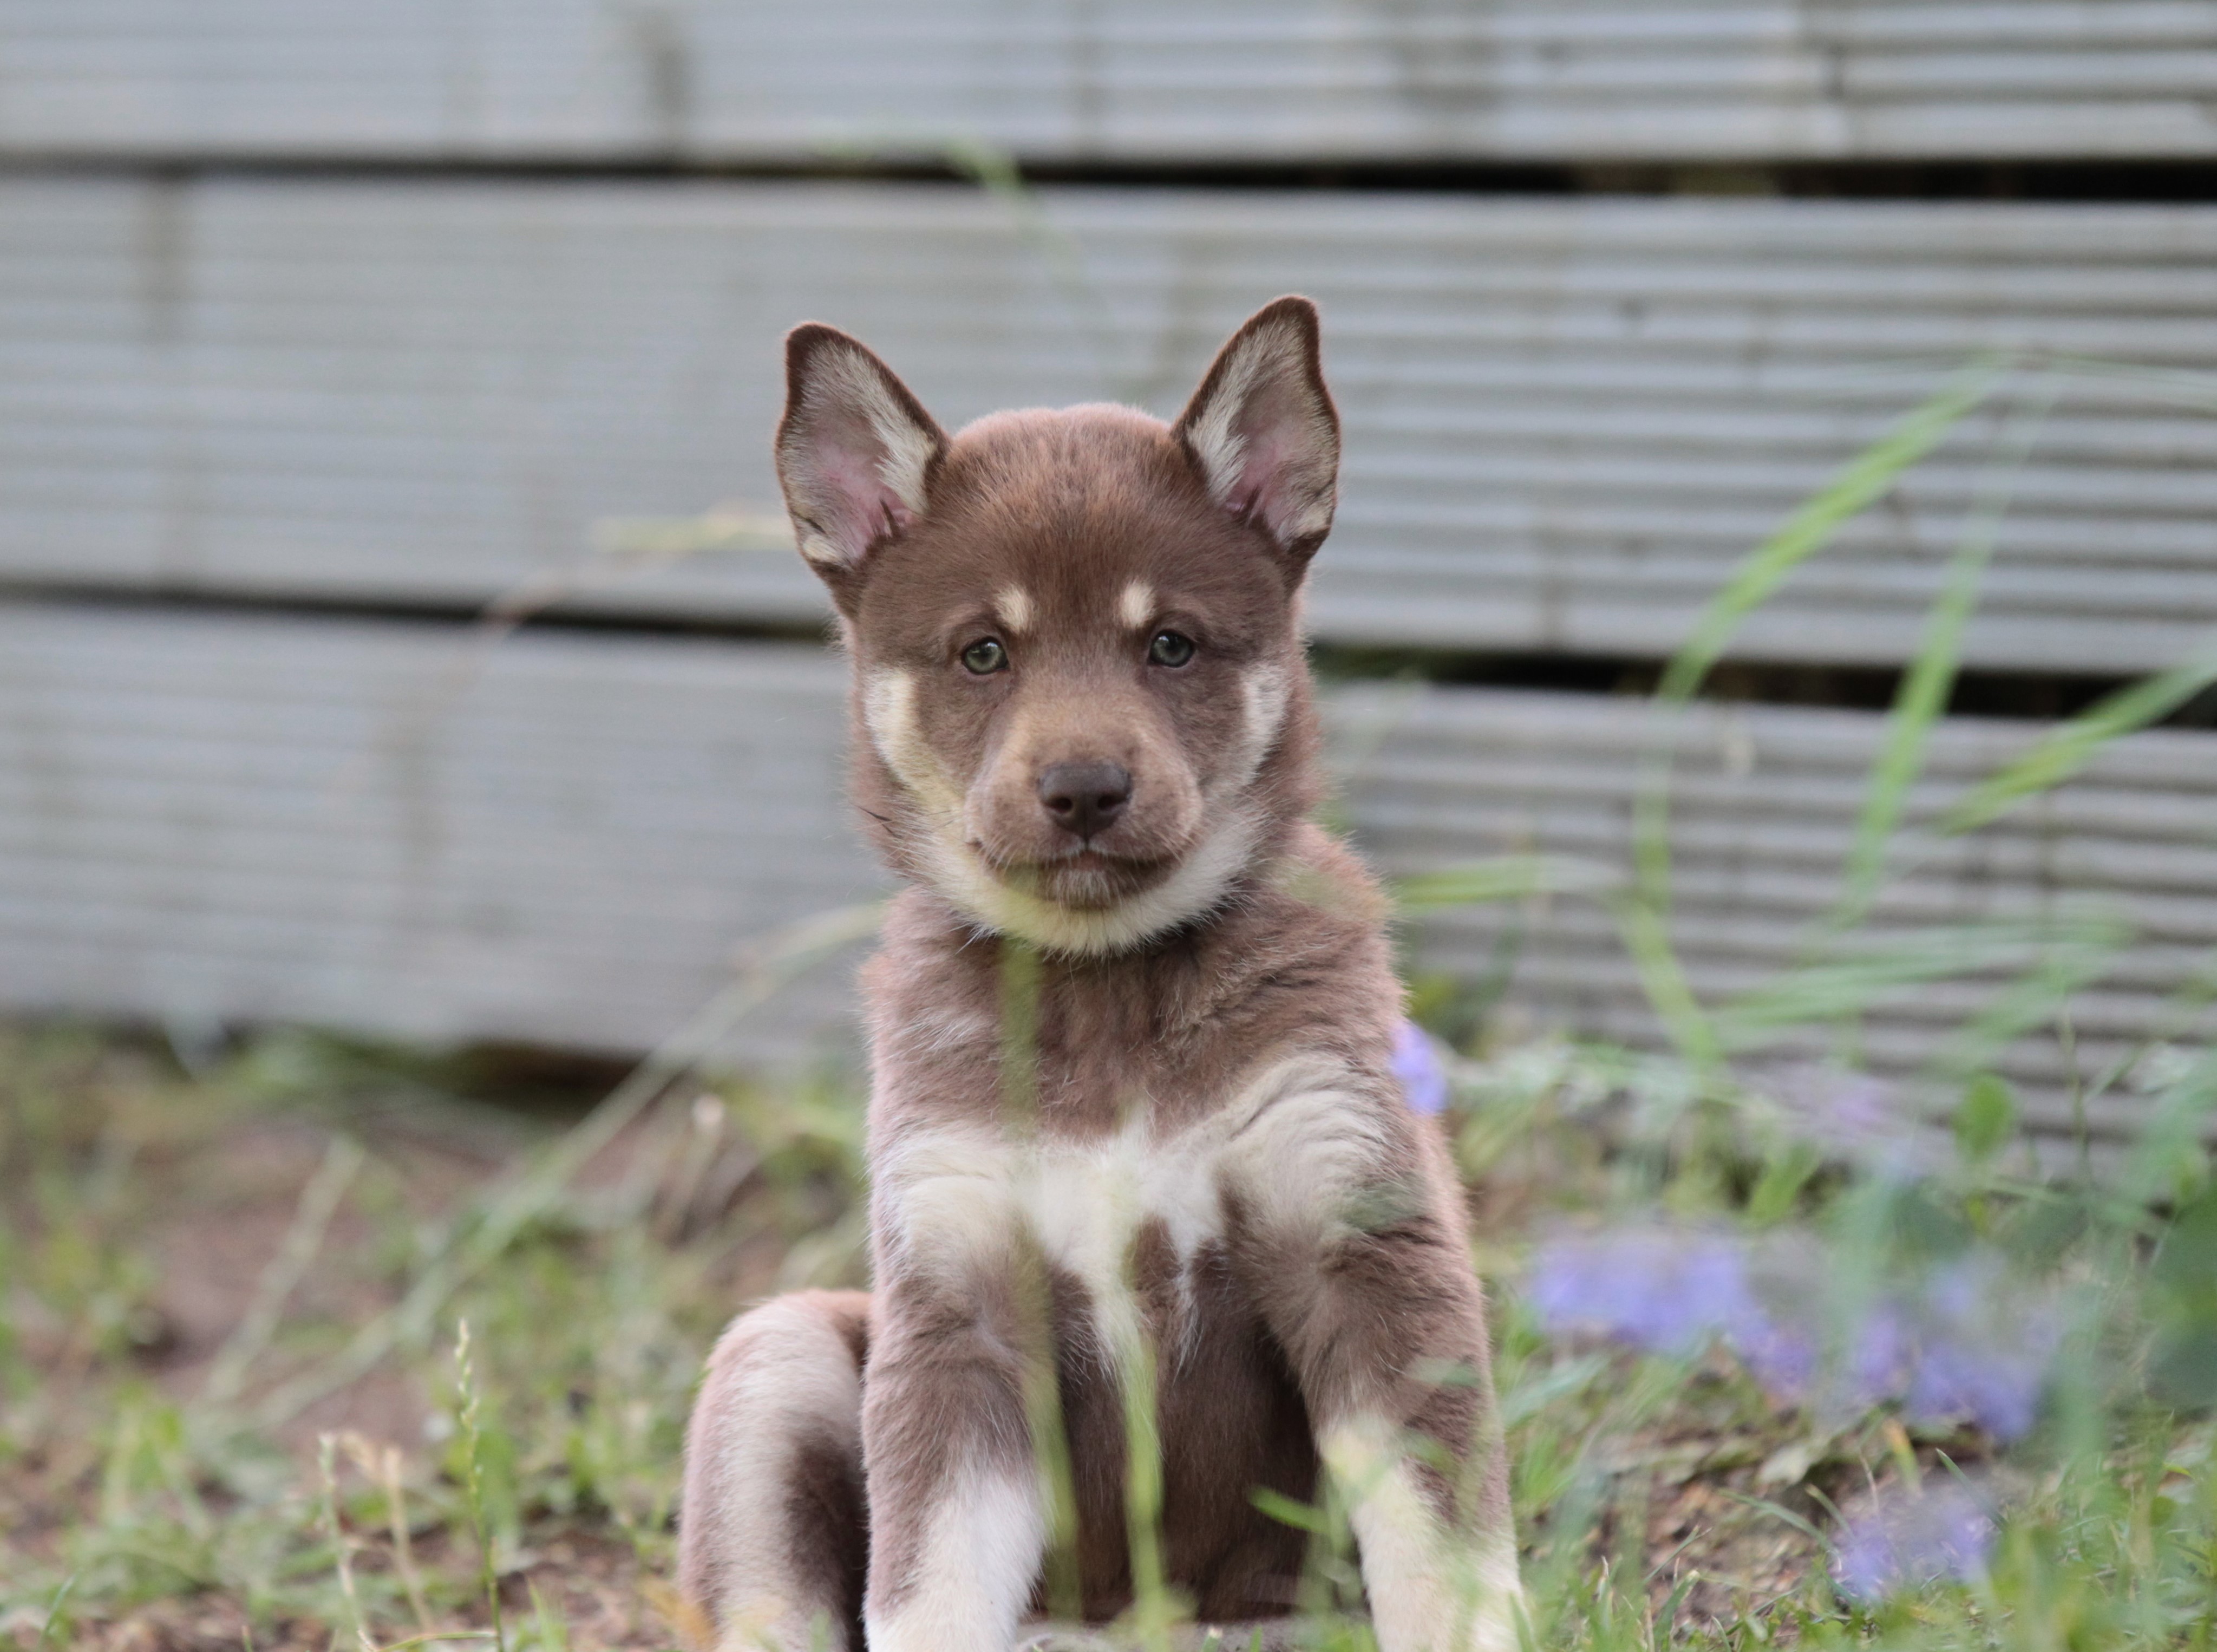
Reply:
x=1082, y=876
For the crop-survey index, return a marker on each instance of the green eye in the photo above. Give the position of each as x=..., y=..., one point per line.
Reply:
x=985, y=657
x=1170, y=648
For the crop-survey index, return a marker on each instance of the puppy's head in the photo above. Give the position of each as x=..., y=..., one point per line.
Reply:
x=1083, y=709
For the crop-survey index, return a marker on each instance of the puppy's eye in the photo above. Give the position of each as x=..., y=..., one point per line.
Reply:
x=1170, y=648
x=985, y=657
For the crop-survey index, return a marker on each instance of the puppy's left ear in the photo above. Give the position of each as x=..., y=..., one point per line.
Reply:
x=1263, y=431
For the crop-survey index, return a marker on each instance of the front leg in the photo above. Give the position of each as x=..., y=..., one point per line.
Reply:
x=957, y=1526
x=1352, y=1221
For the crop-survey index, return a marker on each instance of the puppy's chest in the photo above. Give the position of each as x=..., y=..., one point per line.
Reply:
x=1132, y=1211
x=1136, y=1202
x=1106, y=1210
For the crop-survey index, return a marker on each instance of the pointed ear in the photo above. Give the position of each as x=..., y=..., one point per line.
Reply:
x=1263, y=430
x=856, y=450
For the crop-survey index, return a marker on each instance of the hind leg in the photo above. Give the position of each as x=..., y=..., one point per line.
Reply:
x=772, y=1535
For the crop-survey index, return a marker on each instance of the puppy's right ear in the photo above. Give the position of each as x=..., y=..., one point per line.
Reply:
x=856, y=451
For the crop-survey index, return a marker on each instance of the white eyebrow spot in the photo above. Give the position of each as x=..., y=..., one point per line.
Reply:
x=1137, y=605
x=1013, y=605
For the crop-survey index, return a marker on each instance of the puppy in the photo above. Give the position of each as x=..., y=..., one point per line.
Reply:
x=1133, y=1118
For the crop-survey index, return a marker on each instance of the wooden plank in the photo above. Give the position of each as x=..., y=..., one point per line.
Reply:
x=1130, y=80
x=1567, y=419
x=379, y=826
x=384, y=828
x=1763, y=802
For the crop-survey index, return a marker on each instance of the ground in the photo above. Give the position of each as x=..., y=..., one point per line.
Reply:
x=236, y=1291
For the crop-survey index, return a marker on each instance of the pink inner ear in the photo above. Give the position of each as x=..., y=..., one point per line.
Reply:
x=1278, y=459
x=864, y=505
x=853, y=503
x=1264, y=460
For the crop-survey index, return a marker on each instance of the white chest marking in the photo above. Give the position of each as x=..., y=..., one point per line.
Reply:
x=1295, y=1144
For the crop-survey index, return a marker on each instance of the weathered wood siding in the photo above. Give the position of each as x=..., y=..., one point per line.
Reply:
x=388, y=826
x=2113, y=872
x=341, y=319
x=394, y=829
x=1567, y=419
x=1132, y=80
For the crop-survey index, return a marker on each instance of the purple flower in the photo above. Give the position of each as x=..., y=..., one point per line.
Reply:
x=1662, y=1291
x=1417, y=1064
x=1880, y=1354
x=1784, y=1359
x=1968, y=1345
x=1984, y=1350
x=1999, y=1390
x=1852, y=1113
x=1908, y=1538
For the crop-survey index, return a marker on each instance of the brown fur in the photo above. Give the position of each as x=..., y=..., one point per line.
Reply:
x=1131, y=1091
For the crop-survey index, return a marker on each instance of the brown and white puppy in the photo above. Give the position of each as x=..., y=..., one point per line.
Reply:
x=1132, y=1031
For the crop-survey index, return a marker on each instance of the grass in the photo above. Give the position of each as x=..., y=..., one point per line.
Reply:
x=524, y=1491
x=305, y=1344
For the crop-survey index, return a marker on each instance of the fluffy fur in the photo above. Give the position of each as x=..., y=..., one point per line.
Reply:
x=1133, y=1101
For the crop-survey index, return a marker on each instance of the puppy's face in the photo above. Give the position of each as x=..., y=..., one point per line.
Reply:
x=1074, y=633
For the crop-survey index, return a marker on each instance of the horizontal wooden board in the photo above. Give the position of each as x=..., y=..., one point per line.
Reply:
x=1763, y=802
x=387, y=827
x=724, y=80
x=1567, y=419
x=567, y=839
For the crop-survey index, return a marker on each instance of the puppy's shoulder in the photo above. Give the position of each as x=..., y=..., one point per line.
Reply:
x=1310, y=942
x=934, y=984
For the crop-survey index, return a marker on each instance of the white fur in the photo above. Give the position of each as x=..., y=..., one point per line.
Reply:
x=980, y=1559
x=889, y=711
x=931, y=1031
x=1013, y=605
x=818, y=547
x=1429, y=1591
x=1294, y=1140
x=1215, y=435
x=795, y=1380
x=842, y=378
x=1136, y=606
x=1264, y=693
x=1194, y=888
x=1301, y=1145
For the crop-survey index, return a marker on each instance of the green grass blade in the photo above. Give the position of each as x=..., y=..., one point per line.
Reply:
x=54, y=1612
x=2067, y=748
x=1287, y=1511
x=1780, y=1511
x=1846, y=983
x=1662, y=978
x=1862, y=483
x=2074, y=963
x=1501, y=877
x=509, y=1208
x=1930, y=679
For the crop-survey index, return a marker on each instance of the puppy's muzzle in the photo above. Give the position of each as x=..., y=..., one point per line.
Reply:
x=1085, y=799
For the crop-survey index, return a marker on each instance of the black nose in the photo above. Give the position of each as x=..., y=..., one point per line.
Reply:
x=1086, y=797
